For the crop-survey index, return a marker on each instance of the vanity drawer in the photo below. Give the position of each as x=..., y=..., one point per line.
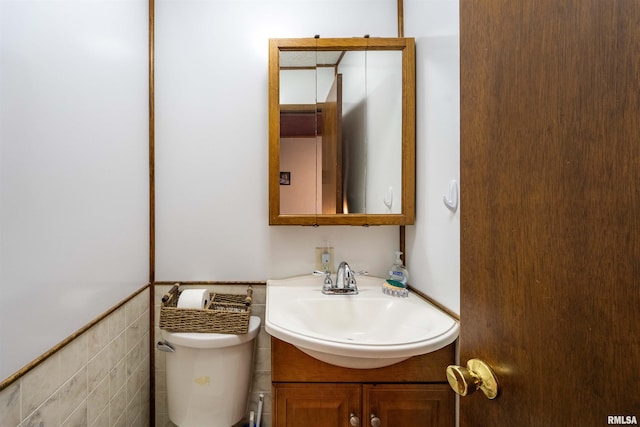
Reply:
x=288, y=364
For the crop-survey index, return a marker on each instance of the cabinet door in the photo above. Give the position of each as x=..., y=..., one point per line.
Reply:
x=315, y=405
x=408, y=405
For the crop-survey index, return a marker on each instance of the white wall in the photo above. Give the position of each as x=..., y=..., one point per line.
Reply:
x=433, y=244
x=73, y=167
x=212, y=138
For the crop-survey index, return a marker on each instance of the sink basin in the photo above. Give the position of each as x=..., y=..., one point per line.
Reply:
x=364, y=331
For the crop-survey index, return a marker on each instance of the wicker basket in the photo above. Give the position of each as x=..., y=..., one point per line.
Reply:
x=225, y=314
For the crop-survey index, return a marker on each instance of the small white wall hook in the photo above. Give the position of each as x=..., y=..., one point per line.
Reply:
x=388, y=199
x=451, y=202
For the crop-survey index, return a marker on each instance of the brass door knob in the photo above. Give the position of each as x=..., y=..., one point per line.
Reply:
x=478, y=375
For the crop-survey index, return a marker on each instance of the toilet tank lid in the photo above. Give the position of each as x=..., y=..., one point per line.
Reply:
x=207, y=340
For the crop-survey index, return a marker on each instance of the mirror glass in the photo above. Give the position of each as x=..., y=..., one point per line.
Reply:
x=342, y=131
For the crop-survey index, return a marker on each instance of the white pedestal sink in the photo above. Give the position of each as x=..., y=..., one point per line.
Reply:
x=368, y=330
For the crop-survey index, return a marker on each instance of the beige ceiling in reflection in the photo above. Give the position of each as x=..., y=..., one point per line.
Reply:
x=309, y=58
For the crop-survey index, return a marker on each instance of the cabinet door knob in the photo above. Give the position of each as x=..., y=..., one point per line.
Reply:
x=354, y=420
x=375, y=421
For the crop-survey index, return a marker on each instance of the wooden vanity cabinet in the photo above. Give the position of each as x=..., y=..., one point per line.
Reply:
x=310, y=393
x=315, y=404
x=405, y=405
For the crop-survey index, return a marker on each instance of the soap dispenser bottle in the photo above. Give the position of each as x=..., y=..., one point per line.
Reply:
x=397, y=272
x=396, y=284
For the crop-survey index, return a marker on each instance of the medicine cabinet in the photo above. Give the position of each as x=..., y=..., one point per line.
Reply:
x=342, y=131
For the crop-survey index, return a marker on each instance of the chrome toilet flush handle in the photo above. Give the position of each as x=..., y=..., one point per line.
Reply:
x=165, y=346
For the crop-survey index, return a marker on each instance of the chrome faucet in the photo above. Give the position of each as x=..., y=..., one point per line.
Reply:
x=345, y=278
x=345, y=282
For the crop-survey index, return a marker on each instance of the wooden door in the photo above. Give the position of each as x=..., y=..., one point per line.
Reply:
x=550, y=209
x=408, y=405
x=315, y=405
x=332, y=149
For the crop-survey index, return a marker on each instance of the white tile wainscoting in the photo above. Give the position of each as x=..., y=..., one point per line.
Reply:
x=100, y=379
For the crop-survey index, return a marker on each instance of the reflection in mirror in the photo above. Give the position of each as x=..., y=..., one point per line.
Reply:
x=342, y=150
x=372, y=137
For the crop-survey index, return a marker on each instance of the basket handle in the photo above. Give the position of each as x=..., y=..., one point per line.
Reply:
x=172, y=292
x=249, y=298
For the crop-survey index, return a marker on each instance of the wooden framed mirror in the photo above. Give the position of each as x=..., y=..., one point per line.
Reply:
x=342, y=131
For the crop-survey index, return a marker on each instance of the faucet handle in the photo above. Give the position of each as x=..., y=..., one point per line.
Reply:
x=328, y=283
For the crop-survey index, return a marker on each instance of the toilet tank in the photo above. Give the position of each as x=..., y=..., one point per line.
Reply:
x=208, y=376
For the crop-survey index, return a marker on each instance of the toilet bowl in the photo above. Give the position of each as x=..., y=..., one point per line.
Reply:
x=208, y=376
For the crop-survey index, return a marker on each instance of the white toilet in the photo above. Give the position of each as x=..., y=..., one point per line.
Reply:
x=208, y=376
